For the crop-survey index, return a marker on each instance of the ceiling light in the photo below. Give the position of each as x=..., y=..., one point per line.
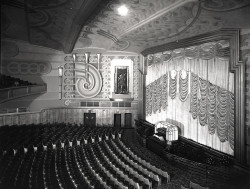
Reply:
x=122, y=10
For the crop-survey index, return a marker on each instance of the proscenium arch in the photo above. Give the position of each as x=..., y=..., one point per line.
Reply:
x=236, y=66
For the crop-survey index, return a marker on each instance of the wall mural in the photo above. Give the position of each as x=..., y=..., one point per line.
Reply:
x=76, y=87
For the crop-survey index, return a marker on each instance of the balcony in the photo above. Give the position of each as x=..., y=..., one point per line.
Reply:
x=8, y=94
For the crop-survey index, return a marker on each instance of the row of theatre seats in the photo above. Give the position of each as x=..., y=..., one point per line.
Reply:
x=193, y=185
x=8, y=81
x=75, y=157
x=43, y=136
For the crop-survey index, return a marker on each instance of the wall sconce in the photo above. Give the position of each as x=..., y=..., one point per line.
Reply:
x=60, y=74
x=60, y=71
x=87, y=57
x=74, y=57
x=86, y=65
x=98, y=59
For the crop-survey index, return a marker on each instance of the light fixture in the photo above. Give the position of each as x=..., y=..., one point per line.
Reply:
x=87, y=57
x=74, y=57
x=86, y=64
x=98, y=59
x=60, y=71
x=122, y=10
x=60, y=74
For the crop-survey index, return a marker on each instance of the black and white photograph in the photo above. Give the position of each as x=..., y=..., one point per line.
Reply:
x=125, y=94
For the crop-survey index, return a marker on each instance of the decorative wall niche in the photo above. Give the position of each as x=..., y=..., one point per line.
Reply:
x=106, y=67
x=121, y=80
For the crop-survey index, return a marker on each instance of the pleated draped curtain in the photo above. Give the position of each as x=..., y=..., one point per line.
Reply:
x=193, y=87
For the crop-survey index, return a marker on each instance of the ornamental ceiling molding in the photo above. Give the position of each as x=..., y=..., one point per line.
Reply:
x=170, y=25
x=57, y=24
x=223, y=5
x=158, y=14
x=145, y=27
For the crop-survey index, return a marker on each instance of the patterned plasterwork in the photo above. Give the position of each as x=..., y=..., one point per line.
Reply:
x=47, y=23
x=78, y=24
x=164, y=27
x=136, y=77
x=21, y=67
x=106, y=74
x=69, y=80
x=148, y=24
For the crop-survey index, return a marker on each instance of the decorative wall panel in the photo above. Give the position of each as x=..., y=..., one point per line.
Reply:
x=88, y=86
x=106, y=75
x=72, y=87
x=136, y=77
x=27, y=68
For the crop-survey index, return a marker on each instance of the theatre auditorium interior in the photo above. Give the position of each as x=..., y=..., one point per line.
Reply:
x=130, y=94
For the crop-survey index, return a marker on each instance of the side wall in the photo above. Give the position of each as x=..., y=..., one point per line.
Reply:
x=245, y=56
x=40, y=65
x=67, y=115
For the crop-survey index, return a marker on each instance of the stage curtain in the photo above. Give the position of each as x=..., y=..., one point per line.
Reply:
x=193, y=87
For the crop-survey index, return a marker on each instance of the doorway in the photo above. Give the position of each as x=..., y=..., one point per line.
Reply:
x=90, y=119
x=128, y=120
x=117, y=120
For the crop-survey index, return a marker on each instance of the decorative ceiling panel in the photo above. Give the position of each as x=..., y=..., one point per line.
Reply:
x=52, y=23
x=167, y=26
x=151, y=23
x=112, y=25
x=78, y=24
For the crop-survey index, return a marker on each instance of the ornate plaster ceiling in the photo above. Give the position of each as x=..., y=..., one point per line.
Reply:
x=83, y=24
x=151, y=23
x=49, y=23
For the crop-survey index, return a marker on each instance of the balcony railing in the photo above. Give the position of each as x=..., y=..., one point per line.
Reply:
x=22, y=91
x=14, y=110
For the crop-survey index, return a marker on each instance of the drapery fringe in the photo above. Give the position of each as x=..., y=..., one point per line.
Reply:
x=211, y=104
x=183, y=85
x=194, y=96
x=165, y=91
